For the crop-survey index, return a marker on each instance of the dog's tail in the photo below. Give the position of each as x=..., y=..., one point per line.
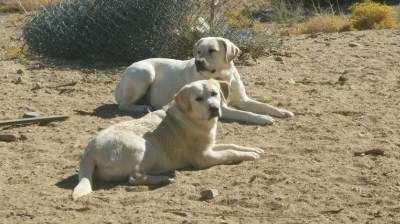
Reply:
x=86, y=169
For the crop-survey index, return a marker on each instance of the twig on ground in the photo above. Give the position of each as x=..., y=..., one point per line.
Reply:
x=34, y=120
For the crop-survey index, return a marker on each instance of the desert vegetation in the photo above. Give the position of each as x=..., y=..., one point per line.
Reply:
x=93, y=31
x=336, y=161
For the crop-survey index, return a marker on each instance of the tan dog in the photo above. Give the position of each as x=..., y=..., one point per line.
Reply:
x=183, y=136
x=152, y=83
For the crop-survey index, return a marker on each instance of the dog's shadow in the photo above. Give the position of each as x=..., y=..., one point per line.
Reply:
x=70, y=182
x=109, y=111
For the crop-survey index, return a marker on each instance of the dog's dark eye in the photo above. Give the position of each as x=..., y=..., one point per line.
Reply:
x=199, y=98
x=211, y=51
x=213, y=93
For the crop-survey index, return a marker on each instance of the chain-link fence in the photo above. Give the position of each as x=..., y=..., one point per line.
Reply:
x=132, y=30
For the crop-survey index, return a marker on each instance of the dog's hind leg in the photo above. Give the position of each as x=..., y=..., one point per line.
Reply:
x=84, y=186
x=145, y=179
x=134, y=85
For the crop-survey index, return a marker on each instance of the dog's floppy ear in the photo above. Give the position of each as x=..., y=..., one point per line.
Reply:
x=182, y=99
x=232, y=51
x=224, y=86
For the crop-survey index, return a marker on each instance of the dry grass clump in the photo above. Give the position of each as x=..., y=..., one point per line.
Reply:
x=363, y=16
x=24, y=5
x=324, y=23
x=287, y=11
x=238, y=19
x=371, y=15
x=16, y=52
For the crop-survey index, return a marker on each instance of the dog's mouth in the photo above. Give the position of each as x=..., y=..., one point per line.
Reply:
x=214, y=114
x=203, y=66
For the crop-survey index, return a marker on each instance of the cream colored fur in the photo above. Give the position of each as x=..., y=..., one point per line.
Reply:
x=181, y=136
x=152, y=83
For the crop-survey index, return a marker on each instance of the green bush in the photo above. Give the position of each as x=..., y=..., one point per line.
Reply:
x=111, y=30
x=130, y=30
x=371, y=15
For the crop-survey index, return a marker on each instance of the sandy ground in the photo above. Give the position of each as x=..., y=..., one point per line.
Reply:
x=309, y=173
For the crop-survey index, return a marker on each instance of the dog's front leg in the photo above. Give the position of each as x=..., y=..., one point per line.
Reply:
x=229, y=113
x=249, y=104
x=241, y=101
x=219, y=147
x=211, y=157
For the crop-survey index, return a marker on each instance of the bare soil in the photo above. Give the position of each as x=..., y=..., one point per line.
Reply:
x=346, y=100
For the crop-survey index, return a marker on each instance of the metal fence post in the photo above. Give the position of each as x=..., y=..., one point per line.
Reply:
x=213, y=3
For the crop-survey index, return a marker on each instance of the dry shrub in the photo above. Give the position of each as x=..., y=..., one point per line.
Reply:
x=371, y=15
x=16, y=52
x=238, y=19
x=287, y=11
x=325, y=23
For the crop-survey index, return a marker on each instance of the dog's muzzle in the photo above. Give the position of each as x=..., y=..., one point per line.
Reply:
x=214, y=111
x=203, y=65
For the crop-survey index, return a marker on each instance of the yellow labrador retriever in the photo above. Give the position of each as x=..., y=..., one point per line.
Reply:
x=152, y=83
x=181, y=136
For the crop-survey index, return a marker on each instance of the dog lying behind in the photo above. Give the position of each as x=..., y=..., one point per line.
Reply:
x=181, y=136
x=152, y=83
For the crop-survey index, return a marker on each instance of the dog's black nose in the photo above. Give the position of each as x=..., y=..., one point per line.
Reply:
x=200, y=63
x=214, y=110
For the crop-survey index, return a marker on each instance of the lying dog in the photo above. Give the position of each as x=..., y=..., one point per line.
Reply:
x=152, y=83
x=179, y=137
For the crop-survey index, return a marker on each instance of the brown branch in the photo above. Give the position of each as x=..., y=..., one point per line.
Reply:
x=34, y=120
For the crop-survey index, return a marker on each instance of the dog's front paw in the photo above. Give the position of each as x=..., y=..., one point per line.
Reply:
x=251, y=156
x=258, y=150
x=285, y=113
x=143, y=109
x=264, y=120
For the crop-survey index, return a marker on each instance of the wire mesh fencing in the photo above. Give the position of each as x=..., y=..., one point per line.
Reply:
x=132, y=30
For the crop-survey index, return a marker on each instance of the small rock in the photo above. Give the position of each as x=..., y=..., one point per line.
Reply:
x=38, y=85
x=291, y=81
x=23, y=137
x=278, y=58
x=253, y=178
x=376, y=213
x=342, y=79
x=31, y=114
x=19, y=80
x=209, y=194
x=260, y=83
x=354, y=44
x=8, y=137
x=20, y=72
x=37, y=66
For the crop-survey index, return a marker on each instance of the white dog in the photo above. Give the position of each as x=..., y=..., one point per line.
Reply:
x=179, y=137
x=152, y=83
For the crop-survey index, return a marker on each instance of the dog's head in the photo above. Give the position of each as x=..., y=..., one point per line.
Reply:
x=202, y=99
x=213, y=55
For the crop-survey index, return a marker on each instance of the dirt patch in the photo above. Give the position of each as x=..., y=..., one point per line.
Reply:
x=346, y=100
